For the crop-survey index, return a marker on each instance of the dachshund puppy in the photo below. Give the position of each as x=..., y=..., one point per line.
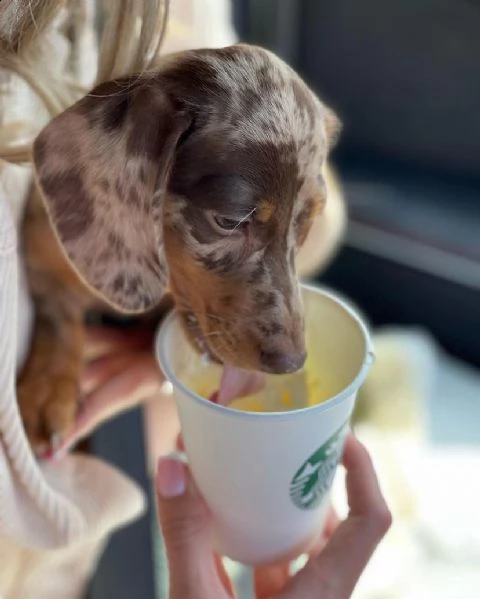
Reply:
x=201, y=179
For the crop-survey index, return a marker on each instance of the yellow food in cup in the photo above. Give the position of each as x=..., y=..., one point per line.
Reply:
x=286, y=399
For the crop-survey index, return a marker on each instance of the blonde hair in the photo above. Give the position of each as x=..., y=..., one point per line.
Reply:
x=128, y=34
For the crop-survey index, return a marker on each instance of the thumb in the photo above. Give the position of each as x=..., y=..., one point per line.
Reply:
x=185, y=522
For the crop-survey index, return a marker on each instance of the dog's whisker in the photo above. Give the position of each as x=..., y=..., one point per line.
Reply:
x=215, y=317
x=213, y=334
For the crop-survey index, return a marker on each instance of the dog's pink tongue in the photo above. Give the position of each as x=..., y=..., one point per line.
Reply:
x=236, y=383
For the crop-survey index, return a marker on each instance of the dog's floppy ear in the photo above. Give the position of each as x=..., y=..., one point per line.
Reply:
x=333, y=128
x=102, y=167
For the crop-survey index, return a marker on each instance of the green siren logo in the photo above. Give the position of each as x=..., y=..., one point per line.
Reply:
x=314, y=478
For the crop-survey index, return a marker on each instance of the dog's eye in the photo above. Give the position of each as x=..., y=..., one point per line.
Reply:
x=228, y=225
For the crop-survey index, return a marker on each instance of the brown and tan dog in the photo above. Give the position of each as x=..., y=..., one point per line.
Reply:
x=201, y=179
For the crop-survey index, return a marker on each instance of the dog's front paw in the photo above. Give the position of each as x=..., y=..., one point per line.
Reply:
x=48, y=404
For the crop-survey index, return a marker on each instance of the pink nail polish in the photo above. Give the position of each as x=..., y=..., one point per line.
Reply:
x=171, y=481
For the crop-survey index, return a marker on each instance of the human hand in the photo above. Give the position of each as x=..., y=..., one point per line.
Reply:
x=332, y=570
x=120, y=372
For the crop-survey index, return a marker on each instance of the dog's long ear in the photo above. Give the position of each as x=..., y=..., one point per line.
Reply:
x=103, y=168
x=333, y=128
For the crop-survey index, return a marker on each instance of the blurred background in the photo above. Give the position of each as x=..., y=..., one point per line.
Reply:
x=404, y=77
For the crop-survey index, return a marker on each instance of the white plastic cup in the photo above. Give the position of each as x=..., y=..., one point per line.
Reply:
x=266, y=477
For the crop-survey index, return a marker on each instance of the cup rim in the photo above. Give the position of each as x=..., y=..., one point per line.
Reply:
x=163, y=359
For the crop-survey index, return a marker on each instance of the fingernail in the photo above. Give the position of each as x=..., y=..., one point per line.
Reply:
x=171, y=480
x=180, y=445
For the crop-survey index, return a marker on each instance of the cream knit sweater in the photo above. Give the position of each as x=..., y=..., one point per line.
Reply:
x=54, y=517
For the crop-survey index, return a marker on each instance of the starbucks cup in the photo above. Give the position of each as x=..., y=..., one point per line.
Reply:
x=266, y=477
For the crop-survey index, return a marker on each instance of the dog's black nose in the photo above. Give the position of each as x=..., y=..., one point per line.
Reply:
x=282, y=363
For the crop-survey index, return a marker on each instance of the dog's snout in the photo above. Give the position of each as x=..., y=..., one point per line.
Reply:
x=282, y=363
